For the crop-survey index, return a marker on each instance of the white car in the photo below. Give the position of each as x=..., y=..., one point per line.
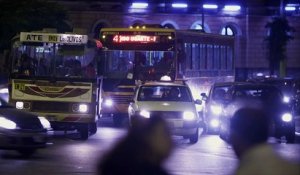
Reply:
x=172, y=101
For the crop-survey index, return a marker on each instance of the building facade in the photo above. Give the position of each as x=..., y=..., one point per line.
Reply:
x=248, y=25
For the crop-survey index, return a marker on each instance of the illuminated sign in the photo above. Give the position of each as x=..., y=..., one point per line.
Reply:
x=134, y=39
x=53, y=38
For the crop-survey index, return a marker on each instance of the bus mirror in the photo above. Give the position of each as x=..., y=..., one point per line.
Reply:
x=130, y=76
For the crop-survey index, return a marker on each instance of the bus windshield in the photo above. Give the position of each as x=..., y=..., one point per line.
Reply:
x=50, y=60
x=143, y=65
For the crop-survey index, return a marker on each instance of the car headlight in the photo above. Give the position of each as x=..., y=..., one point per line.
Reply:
x=214, y=123
x=108, y=102
x=45, y=123
x=287, y=117
x=216, y=109
x=7, y=124
x=188, y=115
x=83, y=108
x=286, y=99
x=4, y=91
x=145, y=114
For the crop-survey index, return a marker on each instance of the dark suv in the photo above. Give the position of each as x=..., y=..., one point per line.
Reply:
x=260, y=95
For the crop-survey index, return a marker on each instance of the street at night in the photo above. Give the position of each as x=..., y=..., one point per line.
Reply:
x=67, y=155
x=149, y=87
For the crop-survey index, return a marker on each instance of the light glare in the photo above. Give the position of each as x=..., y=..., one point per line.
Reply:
x=286, y=99
x=83, y=108
x=179, y=5
x=108, y=102
x=139, y=5
x=188, y=115
x=232, y=8
x=287, y=117
x=210, y=6
x=19, y=105
x=214, y=123
x=7, y=124
x=4, y=91
x=216, y=109
x=145, y=114
x=290, y=8
x=45, y=123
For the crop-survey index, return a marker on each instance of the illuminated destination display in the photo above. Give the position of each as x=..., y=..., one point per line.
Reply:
x=53, y=38
x=134, y=39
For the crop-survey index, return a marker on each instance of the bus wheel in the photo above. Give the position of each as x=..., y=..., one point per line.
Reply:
x=84, y=131
x=93, y=127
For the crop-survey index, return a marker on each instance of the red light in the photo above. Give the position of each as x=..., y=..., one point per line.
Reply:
x=134, y=39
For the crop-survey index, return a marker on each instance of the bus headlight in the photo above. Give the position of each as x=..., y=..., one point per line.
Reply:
x=188, y=115
x=23, y=105
x=7, y=124
x=108, y=102
x=19, y=105
x=45, y=123
x=83, y=108
x=287, y=117
x=145, y=114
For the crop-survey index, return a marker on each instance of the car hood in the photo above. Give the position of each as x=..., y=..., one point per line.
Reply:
x=165, y=106
x=24, y=120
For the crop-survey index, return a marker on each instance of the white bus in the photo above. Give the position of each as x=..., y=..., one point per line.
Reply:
x=54, y=75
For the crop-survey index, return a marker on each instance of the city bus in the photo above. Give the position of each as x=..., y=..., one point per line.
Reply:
x=54, y=75
x=144, y=53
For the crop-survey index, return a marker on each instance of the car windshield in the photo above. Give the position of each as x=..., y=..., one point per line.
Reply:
x=262, y=93
x=164, y=93
x=219, y=92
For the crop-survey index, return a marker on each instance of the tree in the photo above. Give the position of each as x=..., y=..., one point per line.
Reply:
x=31, y=15
x=279, y=35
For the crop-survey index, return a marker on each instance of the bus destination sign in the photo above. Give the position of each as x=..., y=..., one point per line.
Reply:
x=53, y=38
x=134, y=39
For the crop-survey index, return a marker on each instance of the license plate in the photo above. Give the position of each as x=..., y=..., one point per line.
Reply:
x=175, y=124
x=39, y=139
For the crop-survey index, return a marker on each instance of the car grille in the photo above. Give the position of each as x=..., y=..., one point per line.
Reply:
x=168, y=114
x=55, y=107
x=121, y=99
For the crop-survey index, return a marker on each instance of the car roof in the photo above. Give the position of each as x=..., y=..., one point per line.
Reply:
x=229, y=83
x=253, y=85
x=164, y=83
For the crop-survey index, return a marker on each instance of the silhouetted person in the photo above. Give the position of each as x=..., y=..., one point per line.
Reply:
x=174, y=94
x=26, y=67
x=249, y=131
x=90, y=71
x=142, y=152
x=43, y=69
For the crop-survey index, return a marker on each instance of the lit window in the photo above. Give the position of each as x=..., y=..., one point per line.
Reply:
x=169, y=26
x=198, y=27
x=227, y=31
